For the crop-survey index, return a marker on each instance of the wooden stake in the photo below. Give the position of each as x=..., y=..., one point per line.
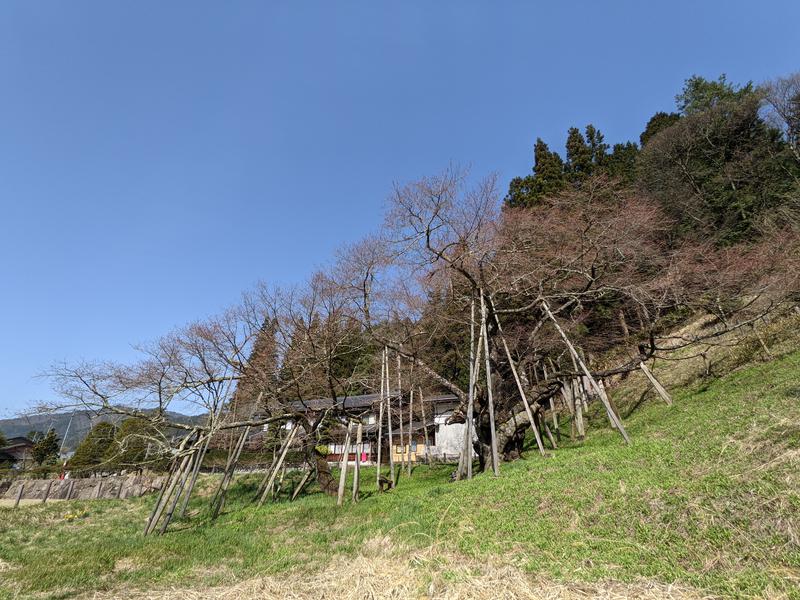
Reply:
x=343, y=466
x=69, y=488
x=489, y=392
x=611, y=414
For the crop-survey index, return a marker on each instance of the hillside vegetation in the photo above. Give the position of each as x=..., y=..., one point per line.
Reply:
x=707, y=497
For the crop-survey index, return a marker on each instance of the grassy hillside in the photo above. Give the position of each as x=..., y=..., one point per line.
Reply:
x=707, y=496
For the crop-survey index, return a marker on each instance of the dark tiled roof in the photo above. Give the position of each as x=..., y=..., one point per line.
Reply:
x=362, y=401
x=18, y=441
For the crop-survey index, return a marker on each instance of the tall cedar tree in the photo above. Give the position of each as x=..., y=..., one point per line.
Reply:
x=46, y=449
x=92, y=450
x=587, y=154
x=547, y=178
x=579, y=156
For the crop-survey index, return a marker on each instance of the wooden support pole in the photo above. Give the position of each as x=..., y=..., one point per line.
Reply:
x=301, y=485
x=517, y=380
x=173, y=481
x=161, y=493
x=276, y=452
x=378, y=466
x=177, y=496
x=98, y=490
x=357, y=472
x=613, y=417
x=553, y=412
x=656, y=384
x=278, y=487
x=580, y=400
x=343, y=466
x=400, y=412
x=389, y=416
x=284, y=451
x=609, y=400
x=465, y=464
x=198, y=461
x=47, y=491
x=410, y=423
x=219, y=496
x=549, y=434
x=19, y=494
x=70, y=488
x=489, y=391
x=428, y=456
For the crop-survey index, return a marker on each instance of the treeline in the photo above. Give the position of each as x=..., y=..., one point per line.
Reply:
x=725, y=165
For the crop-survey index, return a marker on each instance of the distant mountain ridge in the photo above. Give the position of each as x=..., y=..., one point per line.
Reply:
x=82, y=422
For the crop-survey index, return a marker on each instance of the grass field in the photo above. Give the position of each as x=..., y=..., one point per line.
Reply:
x=707, y=497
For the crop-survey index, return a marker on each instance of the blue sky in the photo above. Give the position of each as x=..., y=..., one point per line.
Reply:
x=158, y=158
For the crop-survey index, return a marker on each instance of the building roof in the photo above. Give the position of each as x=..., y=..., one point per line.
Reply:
x=362, y=401
x=18, y=441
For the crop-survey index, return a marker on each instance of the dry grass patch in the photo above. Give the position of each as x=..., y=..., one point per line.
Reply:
x=387, y=572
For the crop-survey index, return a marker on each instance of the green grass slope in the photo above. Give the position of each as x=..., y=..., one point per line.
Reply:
x=707, y=495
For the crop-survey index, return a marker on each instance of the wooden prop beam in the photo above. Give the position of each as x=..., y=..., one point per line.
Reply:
x=343, y=466
x=517, y=380
x=489, y=391
x=357, y=472
x=281, y=458
x=656, y=384
x=613, y=417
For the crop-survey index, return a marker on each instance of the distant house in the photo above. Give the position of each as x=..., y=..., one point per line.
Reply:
x=445, y=439
x=18, y=451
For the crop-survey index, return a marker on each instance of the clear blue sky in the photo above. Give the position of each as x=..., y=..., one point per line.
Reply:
x=157, y=158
